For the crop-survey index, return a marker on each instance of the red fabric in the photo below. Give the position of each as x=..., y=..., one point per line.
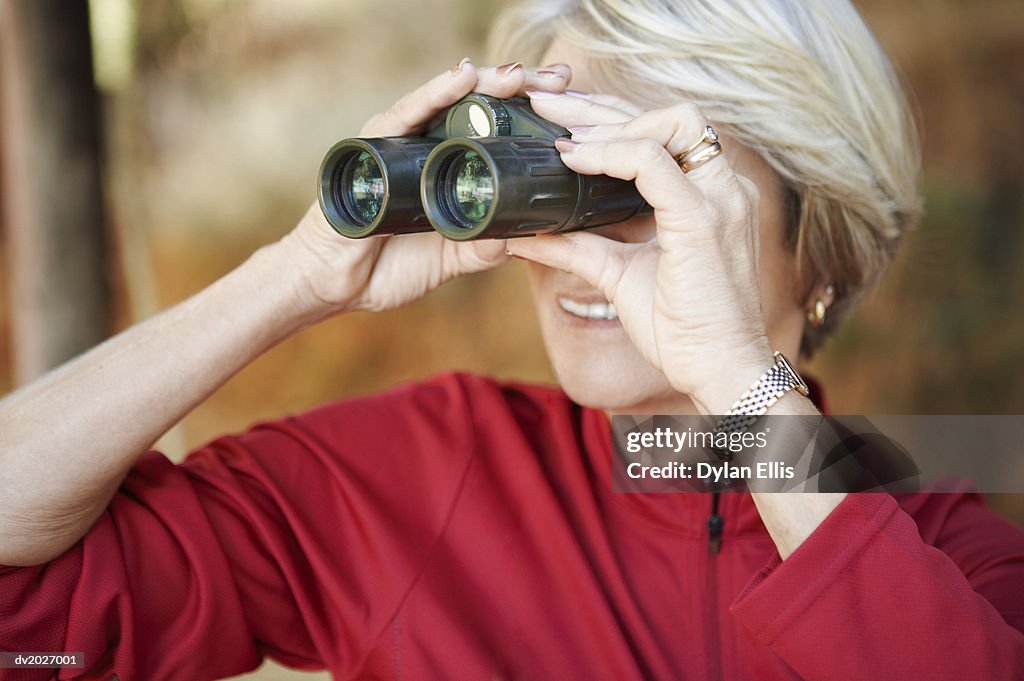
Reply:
x=459, y=529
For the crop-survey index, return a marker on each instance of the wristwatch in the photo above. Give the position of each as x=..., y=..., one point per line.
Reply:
x=766, y=391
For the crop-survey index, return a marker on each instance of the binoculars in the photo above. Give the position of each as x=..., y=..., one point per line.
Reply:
x=489, y=171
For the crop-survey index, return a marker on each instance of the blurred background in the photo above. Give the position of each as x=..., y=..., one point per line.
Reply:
x=212, y=117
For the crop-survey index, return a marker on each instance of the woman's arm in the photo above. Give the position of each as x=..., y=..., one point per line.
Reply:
x=877, y=593
x=67, y=440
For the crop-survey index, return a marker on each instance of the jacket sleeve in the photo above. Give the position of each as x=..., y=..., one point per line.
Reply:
x=296, y=540
x=876, y=592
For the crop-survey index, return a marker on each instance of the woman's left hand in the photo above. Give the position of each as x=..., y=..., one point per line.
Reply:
x=689, y=299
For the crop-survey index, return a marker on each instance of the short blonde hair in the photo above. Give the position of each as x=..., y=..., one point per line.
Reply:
x=802, y=82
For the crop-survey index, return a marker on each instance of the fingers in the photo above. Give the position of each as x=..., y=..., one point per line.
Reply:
x=413, y=112
x=575, y=109
x=552, y=78
x=610, y=101
x=410, y=113
x=475, y=256
x=450, y=258
x=676, y=129
x=645, y=161
x=514, y=79
x=500, y=81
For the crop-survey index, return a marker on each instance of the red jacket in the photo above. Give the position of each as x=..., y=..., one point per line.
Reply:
x=460, y=529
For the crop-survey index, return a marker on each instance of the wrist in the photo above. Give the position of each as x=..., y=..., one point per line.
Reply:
x=719, y=391
x=279, y=277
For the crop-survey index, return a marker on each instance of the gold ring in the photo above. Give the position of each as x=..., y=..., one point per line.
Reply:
x=701, y=151
x=699, y=158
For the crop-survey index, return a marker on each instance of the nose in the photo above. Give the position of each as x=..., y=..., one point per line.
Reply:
x=637, y=230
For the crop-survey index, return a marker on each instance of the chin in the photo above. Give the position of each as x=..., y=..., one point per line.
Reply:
x=613, y=386
x=593, y=358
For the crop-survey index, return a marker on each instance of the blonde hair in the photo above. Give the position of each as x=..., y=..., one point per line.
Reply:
x=802, y=82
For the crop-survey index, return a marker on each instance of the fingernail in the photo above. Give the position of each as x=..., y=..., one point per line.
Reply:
x=552, y=66
x=550, y=74
x=581, y=130
x=566, y=145
x=541, y=94
x=577, y=93
x=458, y=67
x=506, y=69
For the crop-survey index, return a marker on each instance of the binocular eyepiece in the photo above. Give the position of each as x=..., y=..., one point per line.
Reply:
x=490, y=170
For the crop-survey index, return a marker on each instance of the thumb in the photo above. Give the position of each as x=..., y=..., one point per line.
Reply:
x=597, y=260
x=475, y=256
x=489, y=251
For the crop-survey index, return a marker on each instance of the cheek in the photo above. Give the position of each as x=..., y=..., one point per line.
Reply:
x=776, y=287
x=778, y=272
x=540, y=278
x=534, y=273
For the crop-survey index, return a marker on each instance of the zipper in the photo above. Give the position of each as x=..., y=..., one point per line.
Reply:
x=713, y=644
x=715, y=523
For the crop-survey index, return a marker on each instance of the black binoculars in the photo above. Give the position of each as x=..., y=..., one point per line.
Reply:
x=489, y=171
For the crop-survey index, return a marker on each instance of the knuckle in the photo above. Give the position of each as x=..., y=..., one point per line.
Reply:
x=735, y=206
x=688, y=112
x=686, y=121
x=738, y=206
x=649, y=151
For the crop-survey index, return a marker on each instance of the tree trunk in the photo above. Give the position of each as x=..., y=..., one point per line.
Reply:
x=52, y=197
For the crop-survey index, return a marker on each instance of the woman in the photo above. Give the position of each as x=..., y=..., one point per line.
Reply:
x=459, y=528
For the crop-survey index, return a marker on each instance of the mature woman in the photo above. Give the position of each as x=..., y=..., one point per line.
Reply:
x=461, y=528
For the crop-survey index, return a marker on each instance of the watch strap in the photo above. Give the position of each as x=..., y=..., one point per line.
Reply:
x=778, y=380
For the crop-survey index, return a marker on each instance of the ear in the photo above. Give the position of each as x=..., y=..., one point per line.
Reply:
x=822, y=291
x=821, y=298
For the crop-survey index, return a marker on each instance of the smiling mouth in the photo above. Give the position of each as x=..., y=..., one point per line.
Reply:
x=603, y=311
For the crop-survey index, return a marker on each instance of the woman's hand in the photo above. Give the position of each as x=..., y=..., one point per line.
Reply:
x=378, y=273
x=690, y=298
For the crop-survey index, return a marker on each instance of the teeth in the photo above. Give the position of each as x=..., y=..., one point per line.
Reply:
x=591, y=311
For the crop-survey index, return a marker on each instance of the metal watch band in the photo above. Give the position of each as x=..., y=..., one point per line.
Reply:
x=766, y=391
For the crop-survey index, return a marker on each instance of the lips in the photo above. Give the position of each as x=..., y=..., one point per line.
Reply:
x=594, y=311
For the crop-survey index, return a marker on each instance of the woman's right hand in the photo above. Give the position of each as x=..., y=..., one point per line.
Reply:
x=377, y=273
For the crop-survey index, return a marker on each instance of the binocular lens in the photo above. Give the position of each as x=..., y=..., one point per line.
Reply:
x=466, y=189
x=361, y=188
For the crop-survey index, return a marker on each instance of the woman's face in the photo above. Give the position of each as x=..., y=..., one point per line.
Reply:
x=593, y=358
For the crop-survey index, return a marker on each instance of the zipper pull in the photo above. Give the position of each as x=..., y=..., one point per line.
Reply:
x=715, y=524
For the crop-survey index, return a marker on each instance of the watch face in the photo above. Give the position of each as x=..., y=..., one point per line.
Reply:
x=781, y=360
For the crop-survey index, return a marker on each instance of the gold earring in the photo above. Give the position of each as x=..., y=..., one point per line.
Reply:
x=816, y=315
